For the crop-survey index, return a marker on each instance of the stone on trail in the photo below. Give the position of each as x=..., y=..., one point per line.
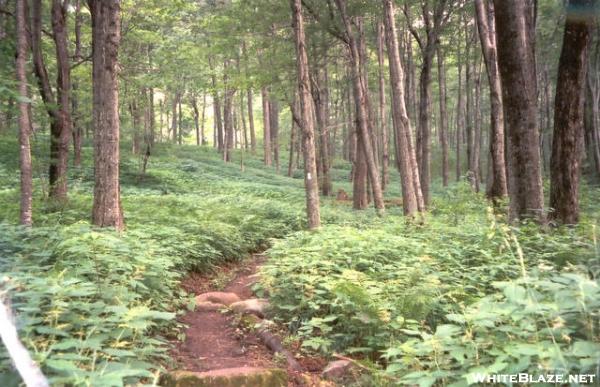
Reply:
x=256, y=306
x=207, y=306
x=223, y=298
x=228, y=377
x=337, y=369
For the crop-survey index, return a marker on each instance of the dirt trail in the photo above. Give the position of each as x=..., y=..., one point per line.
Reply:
x=212, y=339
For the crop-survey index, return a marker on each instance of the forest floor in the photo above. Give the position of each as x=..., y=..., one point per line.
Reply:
x=212, y=338
x=217, y=340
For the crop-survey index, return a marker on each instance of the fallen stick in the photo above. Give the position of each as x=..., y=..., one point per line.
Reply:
x=27, y=368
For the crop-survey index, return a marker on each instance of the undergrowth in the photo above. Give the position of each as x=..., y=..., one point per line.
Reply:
x=97, y=308
x=437, y=303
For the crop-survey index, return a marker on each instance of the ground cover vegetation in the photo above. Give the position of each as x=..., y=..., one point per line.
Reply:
x=422, y=174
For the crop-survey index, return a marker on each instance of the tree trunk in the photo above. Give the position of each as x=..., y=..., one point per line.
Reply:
x=57, y=111
x=266, y=126
x=443, y=115
x=308, y=135
x=203, y=140
x=243, y=118
x=25, y=216
x=568, y=114
x=251, y=121
x=360, y=90
x=385, y=162
x=460, y=120
x=77, y=132
x=179, y=120
x=321, y=99
x=412, y=200
x=424, y=131
x=174, y=117
x=106, y=35
x=514, y=32
x=194, y=103
x=295, y=120
x=274, y=123
x=485, y=23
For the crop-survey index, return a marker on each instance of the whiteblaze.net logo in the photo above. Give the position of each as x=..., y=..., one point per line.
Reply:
x=529, y=378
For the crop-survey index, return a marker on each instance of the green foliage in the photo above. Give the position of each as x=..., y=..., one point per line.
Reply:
x=438, y=302
x=93, y=305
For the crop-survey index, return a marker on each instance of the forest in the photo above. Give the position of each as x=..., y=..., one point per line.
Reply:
x=320, y=193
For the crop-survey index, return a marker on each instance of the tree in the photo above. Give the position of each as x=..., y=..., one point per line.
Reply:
x=412, y=200
x=106, y=36
x=385, y=174
x=443, y=114
x=567, y=143
x=516, y=61
x=24, y=118
x=56, y=107
x=433, y=21
x=266, y=125
x=497, y=187
x=360, y=89
x=308, y=133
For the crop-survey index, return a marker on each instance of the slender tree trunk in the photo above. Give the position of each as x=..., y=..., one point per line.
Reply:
x=25, y=216
x=174, y=117
x=485, y=23
x=295, y=119
x=106, y=36
x=477, y=128
x=568, y=114
x=179, y=120
x=460, y=123
x=591, y=125
x=77, y=132
x=443, y=115
x=424, y=131
x=308, y=136
x=266, y=126
x=274, y=123
x=360, y=91
x=203, y=140
x=196, y=119
x=514, y=32
x=243, y=118
x=412, y=200
x=251, y=121
x=320, y=95
x=57, y=111
x=135, y=119
x=385, y=178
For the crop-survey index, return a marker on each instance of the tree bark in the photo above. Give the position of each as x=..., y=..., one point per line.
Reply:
x=385, y=162
x=412, y=200
x=251, y=121
x=443, y=102
x=360, y=90
x=57, y=109
x=320, y=95
x=308, y=134
x=243, y=118
x=228, y=117
x=26, y=213
x=274, y=123
x=266, y=126
x=567, y=141
x=497, y=188
x=76, y=126
x=106, y=36
x=174, y=117
x=194, y=103
x=516, y=62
